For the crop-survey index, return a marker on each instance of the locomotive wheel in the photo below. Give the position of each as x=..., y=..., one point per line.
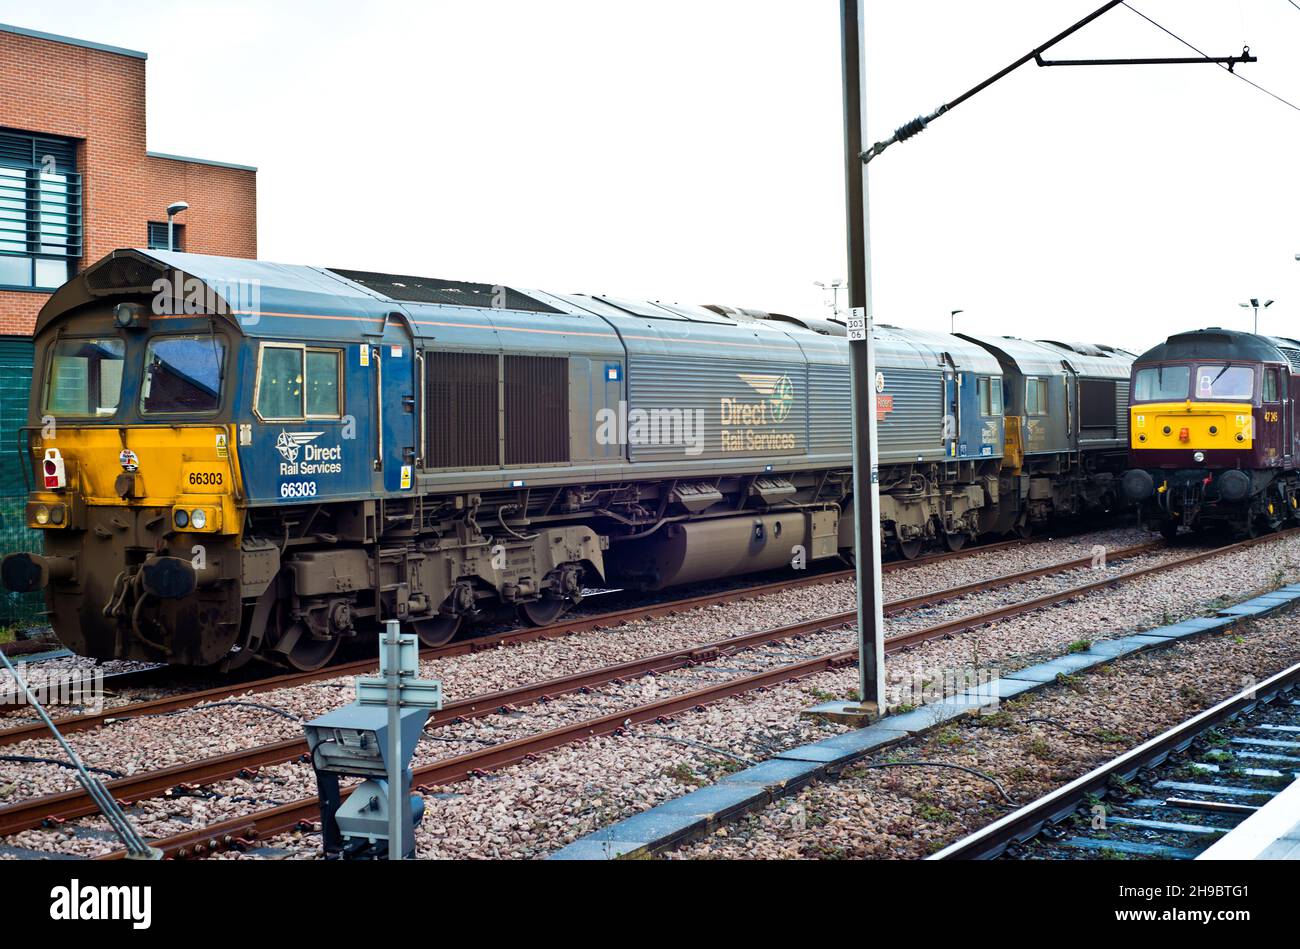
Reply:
x=308, y=654
x=911, y=549
x=955, y=541
x=543, y=612
x=1025, y=529
x=1168, y=529
x=437, y=631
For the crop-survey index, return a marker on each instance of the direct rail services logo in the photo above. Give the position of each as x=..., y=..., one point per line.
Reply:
x=77, y=902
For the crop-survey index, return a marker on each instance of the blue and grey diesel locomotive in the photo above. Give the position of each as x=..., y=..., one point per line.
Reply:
x=238, y=459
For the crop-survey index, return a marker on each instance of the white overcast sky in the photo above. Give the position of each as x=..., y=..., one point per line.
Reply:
x=691, y=150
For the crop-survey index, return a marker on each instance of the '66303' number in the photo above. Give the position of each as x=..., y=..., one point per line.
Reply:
x=298, y=489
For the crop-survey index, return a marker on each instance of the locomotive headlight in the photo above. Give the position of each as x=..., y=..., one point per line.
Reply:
x=57, y=514
x=199, y=519
x=181, y=517
x=41, y=515
x=1198, y=456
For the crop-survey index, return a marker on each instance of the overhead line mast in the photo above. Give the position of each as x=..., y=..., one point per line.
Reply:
x=866, y=489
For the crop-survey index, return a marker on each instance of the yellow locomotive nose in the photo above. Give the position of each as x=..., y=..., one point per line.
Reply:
x=1195, y=425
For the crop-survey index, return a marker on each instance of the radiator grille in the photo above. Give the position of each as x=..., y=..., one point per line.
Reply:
x=461, y=410
x=537, y=410
x=1097, y=403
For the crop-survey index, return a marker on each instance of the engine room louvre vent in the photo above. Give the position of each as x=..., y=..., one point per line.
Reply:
x=123, y=273
x=1097, y=403
x=537, y=410
x=447, y=292
x=461, y=410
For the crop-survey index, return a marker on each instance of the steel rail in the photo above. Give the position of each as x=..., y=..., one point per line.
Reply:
x=67, y=805
x=74, y=723
x=243, y=831
x=1029, y=820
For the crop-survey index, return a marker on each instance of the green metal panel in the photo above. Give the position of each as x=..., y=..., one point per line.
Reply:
x=15, y=385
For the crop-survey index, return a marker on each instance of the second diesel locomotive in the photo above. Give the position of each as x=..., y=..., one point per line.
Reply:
x=238, y=459
x=1214, y=432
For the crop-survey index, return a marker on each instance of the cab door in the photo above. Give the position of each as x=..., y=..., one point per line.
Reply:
x=1275, y=436
x=396, y=373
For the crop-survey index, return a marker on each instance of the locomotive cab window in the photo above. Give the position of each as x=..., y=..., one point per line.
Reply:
x=990, y=396
x=1035, y=396
x=183, y=374
x=85, y=377
x=1234, y=383
x=1271, y=387
x=1161, y=383
x=295, y=382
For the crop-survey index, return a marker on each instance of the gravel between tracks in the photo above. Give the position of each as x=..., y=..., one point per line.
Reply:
x=1031, y=745
x=530, y=809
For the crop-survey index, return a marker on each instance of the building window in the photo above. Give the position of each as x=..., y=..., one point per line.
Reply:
x=40, y=210
x=158, y=236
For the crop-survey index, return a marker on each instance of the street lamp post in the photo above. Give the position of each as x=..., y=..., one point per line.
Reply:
x=834, y=287
x=1255, y=305
x=173, y=210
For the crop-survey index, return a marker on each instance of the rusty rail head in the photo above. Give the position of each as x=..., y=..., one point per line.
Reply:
x=71, y=804
x=74, y=723
x=449, y=770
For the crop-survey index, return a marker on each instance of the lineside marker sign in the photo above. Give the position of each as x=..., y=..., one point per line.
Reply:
x=858, y=323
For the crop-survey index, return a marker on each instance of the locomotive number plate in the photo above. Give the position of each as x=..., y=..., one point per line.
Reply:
x=205, y=478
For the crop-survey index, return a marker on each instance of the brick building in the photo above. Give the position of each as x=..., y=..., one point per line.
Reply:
x=76, y=182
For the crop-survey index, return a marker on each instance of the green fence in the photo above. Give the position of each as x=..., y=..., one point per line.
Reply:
x=15, y=384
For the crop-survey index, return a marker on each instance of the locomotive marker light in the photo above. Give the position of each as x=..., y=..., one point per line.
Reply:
x=374, y=738
x=53, y=470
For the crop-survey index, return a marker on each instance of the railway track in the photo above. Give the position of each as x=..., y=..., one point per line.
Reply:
x=76, y=803
x=298, y=815
x=242, y=831
x=176, y=702
x=1170, y=798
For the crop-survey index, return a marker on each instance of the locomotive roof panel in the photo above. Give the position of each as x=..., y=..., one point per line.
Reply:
x=1030, y=358
x=900, y=348
x=261, y=298
x=411, y=289
x=1089, y=361
x=1218, y=343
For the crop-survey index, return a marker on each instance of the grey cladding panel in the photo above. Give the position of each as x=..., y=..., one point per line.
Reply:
x=747, y=408
x=830, y=412
x=913, y=426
